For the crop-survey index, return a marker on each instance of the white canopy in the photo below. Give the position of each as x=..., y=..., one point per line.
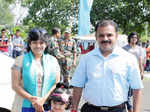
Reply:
x=122, y=40
x=89, y=38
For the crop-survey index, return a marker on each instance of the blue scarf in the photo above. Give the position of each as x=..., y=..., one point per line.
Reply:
x=29, y=75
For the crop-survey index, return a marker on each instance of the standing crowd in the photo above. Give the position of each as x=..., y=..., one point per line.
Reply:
x=107, y=77
x=12, y=46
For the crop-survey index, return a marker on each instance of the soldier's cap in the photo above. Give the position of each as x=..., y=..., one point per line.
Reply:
x=68, y=30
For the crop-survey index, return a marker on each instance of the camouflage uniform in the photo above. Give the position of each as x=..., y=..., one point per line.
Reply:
x=77, y=59
x=78, y=54
x=54, y=50
x=53, y=47
x=68, y=48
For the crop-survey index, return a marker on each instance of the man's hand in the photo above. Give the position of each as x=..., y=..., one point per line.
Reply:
x=77, y=92
x=74, y=63
x=136, y=100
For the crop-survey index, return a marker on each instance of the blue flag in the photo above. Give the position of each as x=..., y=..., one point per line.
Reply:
x=84, y=17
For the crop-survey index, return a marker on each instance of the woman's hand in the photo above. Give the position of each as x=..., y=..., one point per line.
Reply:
x=38, y=103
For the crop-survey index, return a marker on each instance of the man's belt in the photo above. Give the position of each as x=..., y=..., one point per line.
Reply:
x=121, y=106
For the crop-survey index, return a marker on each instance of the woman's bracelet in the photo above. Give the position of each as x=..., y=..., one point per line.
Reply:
x=73, y=110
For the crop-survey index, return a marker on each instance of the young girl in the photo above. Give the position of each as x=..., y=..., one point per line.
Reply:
x=60, y=100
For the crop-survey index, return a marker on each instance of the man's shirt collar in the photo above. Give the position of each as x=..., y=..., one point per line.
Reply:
x=116, y=51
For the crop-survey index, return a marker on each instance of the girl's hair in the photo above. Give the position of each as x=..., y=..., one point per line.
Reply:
x=37, y=34
x=62, y=93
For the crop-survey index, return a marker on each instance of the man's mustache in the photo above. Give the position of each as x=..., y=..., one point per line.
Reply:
x=105, y=41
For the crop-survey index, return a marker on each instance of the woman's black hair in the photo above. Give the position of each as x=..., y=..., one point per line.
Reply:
x=61, y=88
x=37, y=34
x=131, y=35
x=3, y=29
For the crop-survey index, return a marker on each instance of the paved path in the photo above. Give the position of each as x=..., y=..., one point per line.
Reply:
x=146, y=96
x=147, y=74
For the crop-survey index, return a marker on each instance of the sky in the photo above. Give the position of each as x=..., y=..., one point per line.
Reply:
x=19, y=12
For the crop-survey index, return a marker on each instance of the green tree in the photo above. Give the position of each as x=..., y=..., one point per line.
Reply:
x=6, y=16
x=131, y=15
x=51, y=13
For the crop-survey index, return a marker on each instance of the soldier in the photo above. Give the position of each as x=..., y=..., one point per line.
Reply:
x=53, y=42
x=78, y=55
x=53, y=47
x=68, y=48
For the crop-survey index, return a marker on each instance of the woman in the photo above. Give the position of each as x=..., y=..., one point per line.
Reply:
x=136, y=50
x=38, y=71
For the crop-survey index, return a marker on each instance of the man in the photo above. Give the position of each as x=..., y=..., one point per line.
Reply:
x=10, y=46
x=147, y=58
x=18, y=44
x=144, y=54
x=4, y=42
x=147, y=43
x=105, y=74
x=68, y=49
x=53, y=47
